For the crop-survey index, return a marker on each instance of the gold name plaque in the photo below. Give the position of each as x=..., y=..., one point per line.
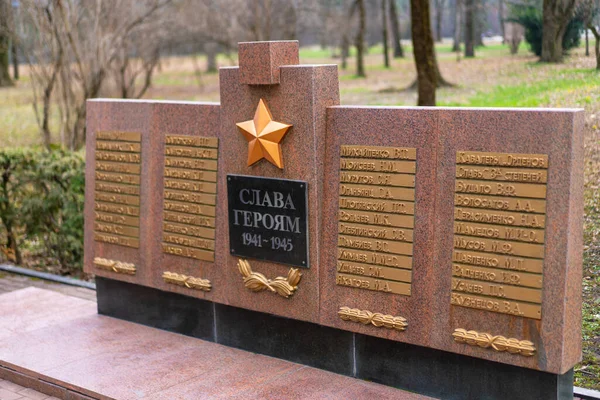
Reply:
x=499, y=231
x=117, y=188
x=190, y=196
x=376, y=218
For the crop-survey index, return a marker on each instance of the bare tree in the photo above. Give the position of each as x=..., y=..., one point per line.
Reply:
x=14, y=41
x=588, y=11
x=514, y=34
x=501, y=17
x=384, y=33
x=15, y=58
x=398, y=51
x=480, y=16
x=556, y=17
x=220, y=25
x=469, y=28
x=587, y=42
x=596, y=32
x=458, y=13
x=5, y=35
x=79, y=49
x=359, y=41
x=423, y=51
x=211, y=50
x=345, y=50
x=439, y=15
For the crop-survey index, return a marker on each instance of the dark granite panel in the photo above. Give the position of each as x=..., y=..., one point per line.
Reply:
x=292, y=340
x=453, y=376
x=152, y=307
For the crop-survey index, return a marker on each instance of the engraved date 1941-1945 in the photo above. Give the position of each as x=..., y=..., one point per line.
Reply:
x=274, y=242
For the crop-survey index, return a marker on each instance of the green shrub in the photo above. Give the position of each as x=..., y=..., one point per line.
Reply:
x=13, y=189
x=42, y=202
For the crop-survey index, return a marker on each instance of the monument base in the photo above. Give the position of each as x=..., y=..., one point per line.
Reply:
x=418, y=369
x=59, y=346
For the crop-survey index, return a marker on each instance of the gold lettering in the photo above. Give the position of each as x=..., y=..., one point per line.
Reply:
x=195, y=141
x=118, y=240
x=116, y=167
x=357, y=164
x=499, y=231
x=117, y=195
x=118, y=146
x=121, y=136
x=118, y=157
x=502, y=159
x=397, y=153
x=188, y=252
x=373, y=284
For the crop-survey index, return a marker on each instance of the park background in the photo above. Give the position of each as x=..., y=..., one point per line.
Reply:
x=55, y=54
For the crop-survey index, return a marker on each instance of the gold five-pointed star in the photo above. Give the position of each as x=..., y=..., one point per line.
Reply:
x=264, y=136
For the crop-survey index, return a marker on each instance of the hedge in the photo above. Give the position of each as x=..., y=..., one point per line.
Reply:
x=41, y=205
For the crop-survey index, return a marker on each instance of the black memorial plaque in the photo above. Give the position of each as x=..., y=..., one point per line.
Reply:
x=267, y=219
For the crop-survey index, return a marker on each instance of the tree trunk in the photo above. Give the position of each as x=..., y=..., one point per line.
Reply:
x=423, y=51
x=596, y=34
x=360, y=39
x=345, y=50
x=552, y=37
x=457, y=24
x=597, y=52
x=501, y=17
x=479, y=16
x=587, y=43
x=469, y=28
x=557, y=14
x=11, y=243
x=6, y=215
x=439, y=14
x=398, y=51
x=211, y=57
x=15, y=61
x=4, y=44
x=13, y=44
x=384, y=33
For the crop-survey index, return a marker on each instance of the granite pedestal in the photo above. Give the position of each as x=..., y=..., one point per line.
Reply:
x=436, y=249
x=404, y=366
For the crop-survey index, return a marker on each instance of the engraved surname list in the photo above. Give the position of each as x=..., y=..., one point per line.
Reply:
x=499, y=227
x=376, y=218
x=117, y=188
x=190, y=195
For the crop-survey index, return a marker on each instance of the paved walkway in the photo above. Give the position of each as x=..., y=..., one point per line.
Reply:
x=11, y=282
x=12, y=391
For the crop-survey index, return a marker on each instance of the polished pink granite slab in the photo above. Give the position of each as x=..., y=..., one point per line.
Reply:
x=303, y=150
x=77, y=354
x=438, y=134
x=260, y=61
x=135, y=117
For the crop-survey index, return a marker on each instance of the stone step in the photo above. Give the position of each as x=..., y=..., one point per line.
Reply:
x=58, y=345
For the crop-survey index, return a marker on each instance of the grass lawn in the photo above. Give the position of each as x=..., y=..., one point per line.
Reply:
x=493, y=78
